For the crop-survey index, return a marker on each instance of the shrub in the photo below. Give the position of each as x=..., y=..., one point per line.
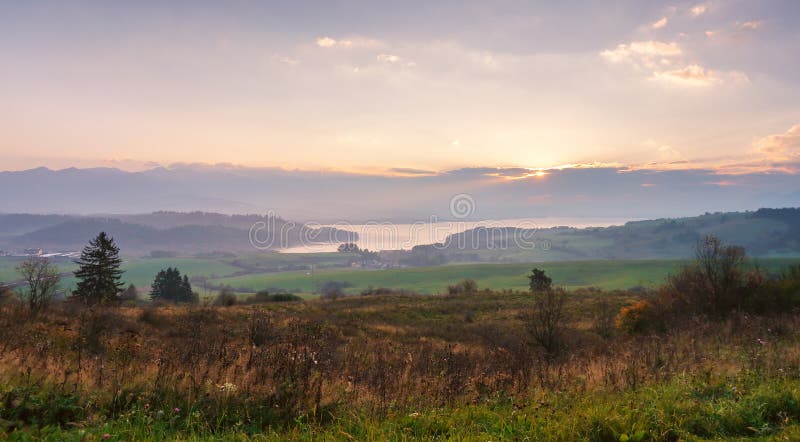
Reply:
x=465, y=287
x=6, y=295
x=604, y=319
x=259, y=329
x=265, y=296
x=548, y=322
x=333, y=289
x=715, y=283
x=225, y=298
x=636, y=318
x=539, y=281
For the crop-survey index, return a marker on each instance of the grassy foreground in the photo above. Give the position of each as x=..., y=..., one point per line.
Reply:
x=742, y=408
x=460, y=367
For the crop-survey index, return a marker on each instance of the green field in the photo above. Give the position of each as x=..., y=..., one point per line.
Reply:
x=137, y=271
x=262, y=274
x=603, y=274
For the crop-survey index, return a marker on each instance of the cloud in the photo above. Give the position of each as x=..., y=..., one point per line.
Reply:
x=642, y=52
x=660, y=23
x=326, y=42
x=659, y=57
x=750, y=25
x=692, y=75
x=395, y=60
x=388, y=58
x=781, y=147
x=698, y=10
x=696, y=75
x=349, y=43
x=278, y=58
x=411, y=171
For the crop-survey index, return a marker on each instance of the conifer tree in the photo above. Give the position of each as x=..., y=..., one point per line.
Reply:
x=99, y=274
x=169, y=286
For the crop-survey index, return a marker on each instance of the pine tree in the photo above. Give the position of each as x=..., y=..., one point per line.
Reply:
x=169, y=286
x=99, y=275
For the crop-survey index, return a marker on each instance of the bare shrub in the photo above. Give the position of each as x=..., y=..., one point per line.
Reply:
x=333, y=289
x=42, y=279
x=715, y=283
x=225, y=298
x=465, y=287
x=604, y=317
x=548, y=321
x=259, y=329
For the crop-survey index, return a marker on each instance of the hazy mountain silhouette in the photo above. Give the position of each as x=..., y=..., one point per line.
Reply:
x=332, y=196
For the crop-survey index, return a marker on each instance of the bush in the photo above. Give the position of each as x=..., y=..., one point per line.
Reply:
x=638, y=317
x=465, y=287
x=548, y=322
x=604, y=319
x=7, y=295
x=715, y=283
x=225, y=298
x=259, y=329
x=333, y=289
x=384, y=291
x=539, y=281
x=265, y=296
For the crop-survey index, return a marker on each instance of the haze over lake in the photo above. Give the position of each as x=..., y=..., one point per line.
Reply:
x=392, y=236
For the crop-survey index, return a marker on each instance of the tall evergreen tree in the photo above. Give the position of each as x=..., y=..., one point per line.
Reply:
x=169, y=286
x=99, y=275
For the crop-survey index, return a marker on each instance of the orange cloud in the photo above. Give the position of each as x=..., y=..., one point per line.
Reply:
x=659, y=23
x=642, y=51
x=698, y=10
x=781, y=147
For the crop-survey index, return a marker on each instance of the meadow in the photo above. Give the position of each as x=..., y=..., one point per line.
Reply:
x=603, y=274
x=398, y=367
x=139, y=272
x=279, y=272
x=710, y=353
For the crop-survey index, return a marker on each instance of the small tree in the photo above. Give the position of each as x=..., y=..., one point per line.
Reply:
x=42, y=279
x=715, y=283
x=170, y=286
x=548, y=322
x=99, y=275
x=539, y=281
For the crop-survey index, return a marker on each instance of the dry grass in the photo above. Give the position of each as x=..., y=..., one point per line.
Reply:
x=269, y=364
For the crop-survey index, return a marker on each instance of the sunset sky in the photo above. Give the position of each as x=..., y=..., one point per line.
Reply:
x=406, y=86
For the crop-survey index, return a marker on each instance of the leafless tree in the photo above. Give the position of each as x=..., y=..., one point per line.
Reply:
x=42, y=278
x=547, y=324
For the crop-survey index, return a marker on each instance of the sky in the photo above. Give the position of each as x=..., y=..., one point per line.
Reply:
x=402, y=88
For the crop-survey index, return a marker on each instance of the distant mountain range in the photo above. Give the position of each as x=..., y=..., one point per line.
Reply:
x=196, y=232
x=402, y=195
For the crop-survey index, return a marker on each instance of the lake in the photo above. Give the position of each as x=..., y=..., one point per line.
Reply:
x=393, y=236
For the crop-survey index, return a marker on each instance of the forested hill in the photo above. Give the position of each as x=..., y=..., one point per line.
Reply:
x=764, y=232
x=161, y=231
